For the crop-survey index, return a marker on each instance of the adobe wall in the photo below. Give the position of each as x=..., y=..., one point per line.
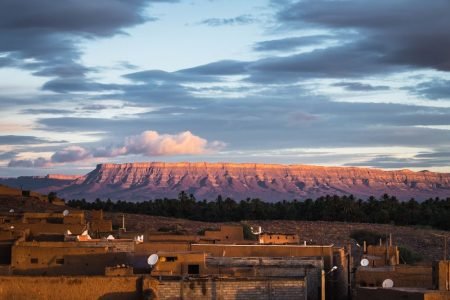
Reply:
x=35, y=260
x=396, y=294
x=267, y=238
x=74, y=287
x=100, y=225
x=37, y=228
x=441, y=275
x=228, y=289
x=226, y=233
x=267, y=251
x=402, y=275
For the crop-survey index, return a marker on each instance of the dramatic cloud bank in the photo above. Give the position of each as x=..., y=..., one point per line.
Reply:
x=263, y=76
x=148, y=143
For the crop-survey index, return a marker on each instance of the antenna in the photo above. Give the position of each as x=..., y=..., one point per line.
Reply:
x=387, y=283
x=152, y=259
x=364, y=262
x=65, y=213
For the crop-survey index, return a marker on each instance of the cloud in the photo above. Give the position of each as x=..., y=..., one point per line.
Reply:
x=23, y=140
x=49, y=111
x=239, y=20
x=151, y=143
x=29, y=163
x=393, y=162
x=291, y=43
x=358, y=86
x=405, y=32
x=77, y=84
x=44, y=35
x=148, y=143
x=435, y=89
x=71, y=154
x=8, y=155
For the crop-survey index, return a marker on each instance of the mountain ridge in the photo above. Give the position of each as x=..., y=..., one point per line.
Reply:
x=270, y=182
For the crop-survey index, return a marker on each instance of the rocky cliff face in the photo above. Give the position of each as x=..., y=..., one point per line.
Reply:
x=144, y=181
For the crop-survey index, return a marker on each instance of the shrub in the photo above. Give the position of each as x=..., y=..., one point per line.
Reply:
x=409, y=256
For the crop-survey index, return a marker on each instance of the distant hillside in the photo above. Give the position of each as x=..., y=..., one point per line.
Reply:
x=40, y=184
x=11, y=198
x=143, y=181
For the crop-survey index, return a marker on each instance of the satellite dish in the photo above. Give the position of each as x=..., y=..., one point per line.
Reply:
x=110, y=237
x=152, y=259
x=68, y=232
x=65, y=213
x=85, y=233
x=387, y=283
x=364, y=262
x=258, y=230
x=11, y=210
x=12, y=227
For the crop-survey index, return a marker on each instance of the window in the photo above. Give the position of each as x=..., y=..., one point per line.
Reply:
x=59, y=261
x=193, y=269
x=171, y=258
x=34, y=260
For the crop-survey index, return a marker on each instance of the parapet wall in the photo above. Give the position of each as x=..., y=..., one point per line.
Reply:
x=76, y=287
x=402, y=275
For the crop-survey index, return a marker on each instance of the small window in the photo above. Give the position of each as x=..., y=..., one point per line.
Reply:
x=226, y=237
x=193, y=269
x=171, y=258
x=59, y=261
x=34, y=260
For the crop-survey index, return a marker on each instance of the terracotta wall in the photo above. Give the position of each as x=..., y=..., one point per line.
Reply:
x=29, y=259
x=74, y=287
x=279, y=239
x=402, y=275
x=396, y=294
x=226, y=233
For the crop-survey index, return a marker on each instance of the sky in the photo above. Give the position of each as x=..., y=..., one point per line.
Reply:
x=324, y=82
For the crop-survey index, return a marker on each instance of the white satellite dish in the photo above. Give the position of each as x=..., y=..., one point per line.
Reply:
x=68, y=232
x=12, y=227
x=85, y=233
x=364, y=262
x=11, y=210
x=387, y=283
x=65, y=213
x=257, y=231
x=152, y=259
x=110, y=237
